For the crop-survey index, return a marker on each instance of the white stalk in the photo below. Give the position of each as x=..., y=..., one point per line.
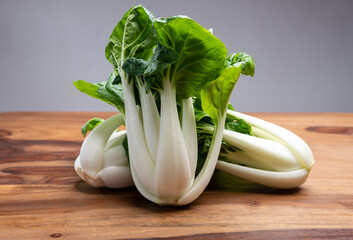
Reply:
x=299, y=148
x=269, y=152
x=284, y=180
x=204, y=177
x=150, y=120
x=140, y=160
x=172, y=175
x=140, y=186
x=243, y=158
x=190, y=132
x=273, y=147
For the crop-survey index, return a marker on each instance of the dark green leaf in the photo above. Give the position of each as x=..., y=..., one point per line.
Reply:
x=237, y=125
x=160, y=60
x=134, y=66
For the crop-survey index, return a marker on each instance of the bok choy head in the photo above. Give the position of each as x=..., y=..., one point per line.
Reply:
x=163, y=64
x=160, y=67
x=172, y=81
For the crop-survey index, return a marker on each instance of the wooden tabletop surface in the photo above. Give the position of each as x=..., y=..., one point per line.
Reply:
x=41, y=197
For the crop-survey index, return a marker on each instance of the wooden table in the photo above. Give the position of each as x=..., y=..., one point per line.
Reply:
x=42, y=198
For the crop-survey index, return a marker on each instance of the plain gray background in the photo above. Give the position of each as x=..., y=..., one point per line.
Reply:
x=302, y=51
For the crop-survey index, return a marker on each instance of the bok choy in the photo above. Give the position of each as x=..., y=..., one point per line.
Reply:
x=171, y=83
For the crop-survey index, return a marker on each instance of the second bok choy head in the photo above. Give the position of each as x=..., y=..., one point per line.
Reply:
x=163, y=64
x=103, y=161
x=258, y=151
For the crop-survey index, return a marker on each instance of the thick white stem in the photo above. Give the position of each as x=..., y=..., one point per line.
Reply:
x=284, y=180
x=298, y=147
x=190, y=132
x=172, y=174
x=243, y=158
x=206, y=173
x=258, y=132
x=140, y=158
x=269, y=152
x=140, y=186
x=150, y=116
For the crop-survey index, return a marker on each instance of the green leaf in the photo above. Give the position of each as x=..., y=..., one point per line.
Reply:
x=134, y=66
x=160, y=60
x=200, y=115
x=132, y=37
x=201, y=54
x=106, y=91
x=113, y=87
x=215, y=102
x=230, y=107
x=237, y=125
x=112, y=54
x=215, y=95
x=90, y=125
x=242, y=60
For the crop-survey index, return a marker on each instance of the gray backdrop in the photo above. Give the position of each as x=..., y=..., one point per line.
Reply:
x=302, y=51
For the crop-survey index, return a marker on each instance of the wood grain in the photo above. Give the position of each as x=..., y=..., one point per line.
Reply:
x=42, y=198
